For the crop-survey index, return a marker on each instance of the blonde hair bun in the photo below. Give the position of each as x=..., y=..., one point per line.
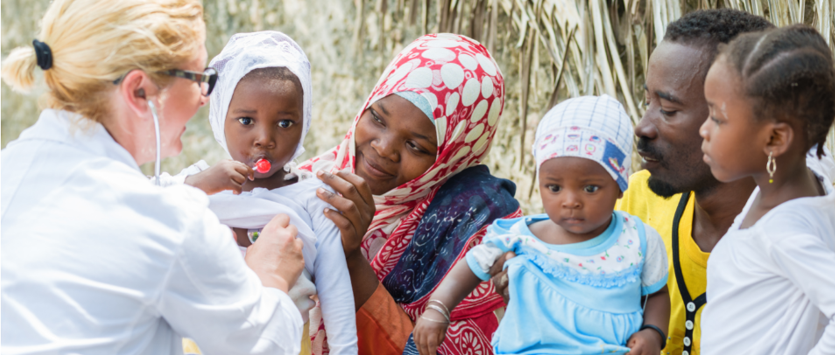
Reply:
x=94, y=42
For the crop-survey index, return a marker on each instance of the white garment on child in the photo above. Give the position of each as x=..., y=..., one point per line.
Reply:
x=304, y=289
x=575, y=298
x=769, y=285
x=323, y=254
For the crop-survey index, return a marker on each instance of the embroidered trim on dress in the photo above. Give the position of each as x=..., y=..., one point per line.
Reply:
x=612, y=280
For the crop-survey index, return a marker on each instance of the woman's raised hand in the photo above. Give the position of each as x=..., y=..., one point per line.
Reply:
x=355, y=206
x=276, y=256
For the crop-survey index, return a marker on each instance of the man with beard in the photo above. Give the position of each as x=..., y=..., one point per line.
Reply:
x=676, y=193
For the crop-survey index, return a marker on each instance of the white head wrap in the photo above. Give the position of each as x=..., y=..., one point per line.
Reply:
x=591, y=127
x=246, y=52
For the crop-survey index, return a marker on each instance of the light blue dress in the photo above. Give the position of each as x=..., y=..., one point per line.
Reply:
x=582, y=298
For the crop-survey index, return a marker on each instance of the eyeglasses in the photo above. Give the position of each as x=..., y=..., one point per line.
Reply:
x=207, y=79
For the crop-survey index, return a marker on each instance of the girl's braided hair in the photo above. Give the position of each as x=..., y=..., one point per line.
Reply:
x=790, y=75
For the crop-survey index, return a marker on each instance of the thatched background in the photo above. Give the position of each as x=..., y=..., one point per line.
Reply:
x=350, y=42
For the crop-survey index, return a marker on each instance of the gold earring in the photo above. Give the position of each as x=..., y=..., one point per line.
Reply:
x=771, y=167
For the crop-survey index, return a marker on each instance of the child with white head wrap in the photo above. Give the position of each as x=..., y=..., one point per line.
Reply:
x=251, y=210
x=246, y=52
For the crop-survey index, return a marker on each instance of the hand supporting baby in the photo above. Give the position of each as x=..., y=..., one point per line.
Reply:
x=225, y=175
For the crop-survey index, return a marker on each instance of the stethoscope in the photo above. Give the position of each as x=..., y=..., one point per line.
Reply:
x=156, y=134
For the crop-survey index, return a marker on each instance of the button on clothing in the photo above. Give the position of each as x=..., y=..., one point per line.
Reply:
x=580, y=298
x=98, y=260
x=659, y=212
x=769, y=284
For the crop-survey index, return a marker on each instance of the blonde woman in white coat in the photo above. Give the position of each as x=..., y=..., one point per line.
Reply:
x=96, y=259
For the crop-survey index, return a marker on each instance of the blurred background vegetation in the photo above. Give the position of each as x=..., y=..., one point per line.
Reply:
x=548, y=50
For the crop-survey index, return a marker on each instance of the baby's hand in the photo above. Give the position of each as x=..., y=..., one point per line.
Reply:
x=645, y=342
x=429, y=332
x=225, y=175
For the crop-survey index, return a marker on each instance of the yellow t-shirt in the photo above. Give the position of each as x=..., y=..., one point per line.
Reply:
x=659, y=212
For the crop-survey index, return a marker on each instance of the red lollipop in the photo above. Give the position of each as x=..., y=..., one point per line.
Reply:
x=262, y=166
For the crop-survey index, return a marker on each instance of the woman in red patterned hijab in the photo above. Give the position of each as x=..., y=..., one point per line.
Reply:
x=433, y=200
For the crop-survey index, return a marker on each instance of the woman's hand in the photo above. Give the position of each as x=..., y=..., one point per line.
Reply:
x=499, y=275
x=355, y=206
x=225, y=175
x=276, y=256
x=429, y=333
x=644, y=342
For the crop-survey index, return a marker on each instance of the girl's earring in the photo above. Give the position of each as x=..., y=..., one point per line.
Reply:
x=771, y=167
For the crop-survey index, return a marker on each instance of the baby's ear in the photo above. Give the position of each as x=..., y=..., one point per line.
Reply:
x=781, y=136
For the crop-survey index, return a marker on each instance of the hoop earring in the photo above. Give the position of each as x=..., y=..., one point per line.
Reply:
x=771, y=167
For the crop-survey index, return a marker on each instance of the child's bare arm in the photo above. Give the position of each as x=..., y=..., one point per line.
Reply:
x=225, y=175
x=657, y=313
x=432, y=325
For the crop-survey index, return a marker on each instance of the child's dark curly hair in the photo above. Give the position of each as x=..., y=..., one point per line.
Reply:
x=790, y=76
x=709, y=28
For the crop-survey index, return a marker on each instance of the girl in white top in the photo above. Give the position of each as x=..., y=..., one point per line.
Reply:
x=770, y=278
x=96, y=259
x=261, y=109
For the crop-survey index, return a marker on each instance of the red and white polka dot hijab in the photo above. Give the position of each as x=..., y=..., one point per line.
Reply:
x=465, y=91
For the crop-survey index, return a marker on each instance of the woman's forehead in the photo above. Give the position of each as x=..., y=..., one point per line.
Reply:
x=407, y=118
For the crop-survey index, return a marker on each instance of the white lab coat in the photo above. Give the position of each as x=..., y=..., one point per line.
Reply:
x=98, y=260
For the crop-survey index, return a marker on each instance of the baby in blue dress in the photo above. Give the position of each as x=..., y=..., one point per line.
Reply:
x=585, y=279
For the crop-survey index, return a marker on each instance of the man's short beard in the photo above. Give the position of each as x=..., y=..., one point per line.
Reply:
x=661, y=188
x=667, y=190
